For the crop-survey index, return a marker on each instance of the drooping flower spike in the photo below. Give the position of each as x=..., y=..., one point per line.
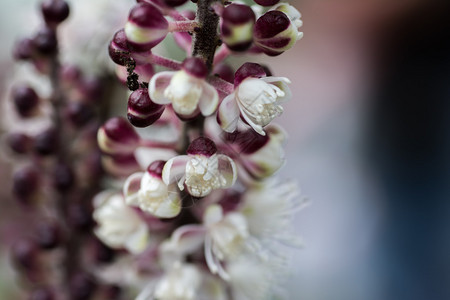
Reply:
x=256, y=99
x=186, y=90
x=202, y=170
x=149, y=192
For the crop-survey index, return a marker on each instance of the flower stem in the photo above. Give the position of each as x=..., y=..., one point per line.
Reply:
x=182, y=26
x=223, y=53
x=164, y=62
x=221, y=85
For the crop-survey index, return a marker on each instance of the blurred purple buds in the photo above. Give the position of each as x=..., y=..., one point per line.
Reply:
x=46, y=143
x=25, y=183
x=237, y=26
x=20, y=143
x=24, y=49
x=146, y=27
x=24, y=254
x=142, y=111
x=48, y=235
x=42, y=293
x=45, y=41
x=117, y=136
x=55, y=11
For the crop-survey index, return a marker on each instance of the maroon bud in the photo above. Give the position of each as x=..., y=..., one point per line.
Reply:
x=70, y=74
x=19, y=142
x=195, y=66
x=24, y=254
x=237, y=26
x=117, y=136
x=142, y=111
x=248, y=70
x=102, y=253
x=82, y=286
x=79, y=113
x=174, y=3
x=48, y=235
x=156, y=168
x=63, y=177
x=24, y=49
x=25, y=100
x=202, y=146
x=267, y=2
x=46, y=41
x=121, y=165
x=80, y=217
x=146, y=27
x=46, y=142
x=274, y=33
x=224, y=71
x=42, y=293
x=55, y=11
x=118, y=48
x=25, y=182
x=92, y=88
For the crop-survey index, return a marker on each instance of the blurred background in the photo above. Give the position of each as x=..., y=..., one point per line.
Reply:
x=369, y=144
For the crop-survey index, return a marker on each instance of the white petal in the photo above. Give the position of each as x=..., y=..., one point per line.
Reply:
x=158, y=85
x=228, y=113
x=170, y=207
x=213, y=214
x=281, y=83
x=188, y=238
x=228, y=170
x=174, y=169
x=137, y=242
x=208, y=100
x=131, y=188
x=258, y=128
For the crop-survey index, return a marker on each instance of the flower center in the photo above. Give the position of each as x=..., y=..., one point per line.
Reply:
x=202, y=175
x=184, y=92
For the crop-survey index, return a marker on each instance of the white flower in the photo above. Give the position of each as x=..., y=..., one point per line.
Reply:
x=202, y=170
x=149, y=192
x=182, y=282
x=119, y=225
x=186, y=89
x=225, y=238
x=257, y=100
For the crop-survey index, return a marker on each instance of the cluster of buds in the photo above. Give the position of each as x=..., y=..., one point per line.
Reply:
x=194, y=204
x=57, y=170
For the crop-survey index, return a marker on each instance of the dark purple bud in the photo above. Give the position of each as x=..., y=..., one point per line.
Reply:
x=248, y=70
x=118, y=48
x=80, y=217
x=195, y=66
x=48, y=235
x=224, y=71
x=156, y=168
x=42, y=293
x=202, y=146
x=63, y=177
x=92, y=88
x=25, y=100
x=146, y=27
x=46, y=142
x=112, y=292
x=247, y=141
x=267, y=2
x=117, y=136
x=19, y=142
x=46, y=41
x=55, y=11
x=237, y=26
x=174, y=3
x=102, y=253
x=24, y=49
x=274, y=33
x=25, y=182
x=70, y=74
x=24, y=254
x=142, y=111
x=79, y=113
x=82, y=286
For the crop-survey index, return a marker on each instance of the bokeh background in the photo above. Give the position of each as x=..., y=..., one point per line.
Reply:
x=369, y=144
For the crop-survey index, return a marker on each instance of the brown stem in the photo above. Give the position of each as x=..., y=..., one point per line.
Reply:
x=206, y=37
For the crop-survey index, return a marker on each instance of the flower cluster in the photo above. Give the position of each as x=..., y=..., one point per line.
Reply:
x=177, y=198
x=199, y=212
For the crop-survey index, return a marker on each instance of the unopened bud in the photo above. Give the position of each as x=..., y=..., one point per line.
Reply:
x=20, y=143
x=146, y=27
x=46, y=142
x=267, y=2
x=48, y=235
x=237, y=26
x=55, y=11
x=117, y=136
x=25, y=100
x=118, y=48
x=142, y=111
x=202, y=146
x=25, y=183
x=46, y=41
